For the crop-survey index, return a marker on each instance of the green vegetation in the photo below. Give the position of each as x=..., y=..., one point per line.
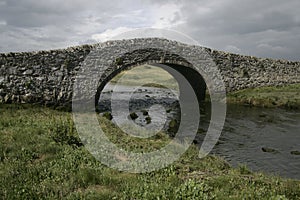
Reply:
x=284, y=96
x=41, y=157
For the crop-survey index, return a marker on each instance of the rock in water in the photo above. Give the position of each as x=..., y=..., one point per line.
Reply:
x=269, y=150
x=295, y=153
x=133, y=116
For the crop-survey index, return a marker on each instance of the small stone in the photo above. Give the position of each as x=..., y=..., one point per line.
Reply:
x=133, y=116
x=40, y=78
x=263, y=115
x=28, y=72
x=27, y=98
x=145, y=112
x=7, y=99
x=54, y=68
x=36, y=67
x=269, y=150
x=295, y=153
x=148, y=120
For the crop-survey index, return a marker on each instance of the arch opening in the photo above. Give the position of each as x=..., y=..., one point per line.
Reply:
x=167, y=84
x=194, y=78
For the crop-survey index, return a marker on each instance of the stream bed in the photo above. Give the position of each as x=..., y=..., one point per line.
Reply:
x=266, y=140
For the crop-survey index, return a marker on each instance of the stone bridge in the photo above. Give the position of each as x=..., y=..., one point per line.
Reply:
x=47, y=77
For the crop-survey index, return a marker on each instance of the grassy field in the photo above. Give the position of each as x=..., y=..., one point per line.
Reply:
x=285, y=97
x=41, y=157
x=146, y=75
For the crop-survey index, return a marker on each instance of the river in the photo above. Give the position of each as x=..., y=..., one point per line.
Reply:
x=265, y=140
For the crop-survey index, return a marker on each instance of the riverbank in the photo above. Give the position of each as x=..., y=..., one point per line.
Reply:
x=270, y=97
x=41, y=156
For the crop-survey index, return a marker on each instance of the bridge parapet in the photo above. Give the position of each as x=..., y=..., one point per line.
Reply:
x=47, y=77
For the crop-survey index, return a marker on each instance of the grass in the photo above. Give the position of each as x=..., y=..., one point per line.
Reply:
x=285, y=96
x=41, y=157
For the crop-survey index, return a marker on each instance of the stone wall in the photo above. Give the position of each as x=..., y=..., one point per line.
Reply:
x=40, y=77
x=47, y=77
x=242, y=72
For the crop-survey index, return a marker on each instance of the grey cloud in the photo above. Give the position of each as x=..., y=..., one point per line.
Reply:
x=246, y=25
x=34, y=25
x=29, y=13
x=252, y=27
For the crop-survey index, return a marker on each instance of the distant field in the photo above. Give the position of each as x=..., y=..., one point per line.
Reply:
x=146, y=75
x=285, y=96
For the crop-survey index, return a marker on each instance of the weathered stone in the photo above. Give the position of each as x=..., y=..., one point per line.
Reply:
x=7, y=99
x=27, y=98
x=28, y=72
x=40, y=78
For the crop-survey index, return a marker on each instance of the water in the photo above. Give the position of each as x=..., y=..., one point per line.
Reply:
x=246, y=131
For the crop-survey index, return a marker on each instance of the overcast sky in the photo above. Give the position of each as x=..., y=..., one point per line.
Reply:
x=264, y=28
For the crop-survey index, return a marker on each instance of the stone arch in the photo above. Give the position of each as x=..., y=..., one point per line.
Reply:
x=110, y=58
x=154, y=56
